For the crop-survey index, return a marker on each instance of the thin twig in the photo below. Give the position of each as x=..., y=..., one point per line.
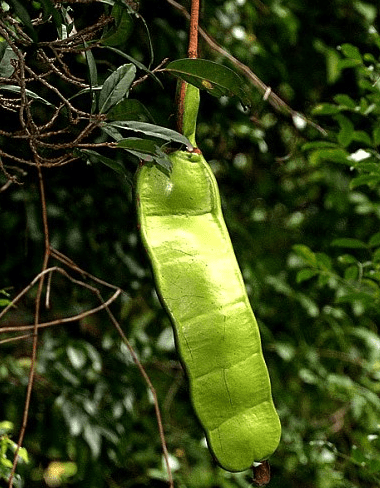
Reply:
x=193, y=30
x=11, y=339
x=152, y=389
x=64, y=320
x=35, y=329
x=64, y=259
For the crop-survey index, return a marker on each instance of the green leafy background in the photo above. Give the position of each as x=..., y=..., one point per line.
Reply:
x=303, y=212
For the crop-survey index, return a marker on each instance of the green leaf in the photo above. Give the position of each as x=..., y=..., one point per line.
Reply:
x=376, y=135
x=370, y=180
x=306, y=254
x=23, y=15
x=308, y=304
x=6, y=427
x=348, y=63
x=207, y=75
x=142, y=145
x=112, y=132
x=337, y=155
x=362, y=136
x=151, y=130
x=7, y=54
x=23, y=454
x=346, y=259
x=368, y=167
x=306, y=274
x=349, y=242
x=323, y=261
x=29, y=93
x=146, y=150
x=86, y=90
x=92, y=71
x=325, y=109
x=351, y=273
x=345, y=101
x=318, y=145
x=123, y=26
x=346, y=132
x=351, y=51
x=116, y=86
x=130, y=109
x=93, y=75
x=374, y=240
x=51, y=11
x=376, y=256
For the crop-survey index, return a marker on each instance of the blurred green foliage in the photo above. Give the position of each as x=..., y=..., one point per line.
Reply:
x=303, y=212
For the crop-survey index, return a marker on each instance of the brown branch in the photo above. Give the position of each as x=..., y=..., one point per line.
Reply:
x=69, y=262
x=65, y=76
x=11, y=339
x=64, y=320
x=75, y=41
x=193, y=30
x=155, y=70
x=35, y=329
x=193, y=54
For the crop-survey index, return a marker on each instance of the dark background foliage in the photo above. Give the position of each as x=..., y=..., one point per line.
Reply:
x=304, y=228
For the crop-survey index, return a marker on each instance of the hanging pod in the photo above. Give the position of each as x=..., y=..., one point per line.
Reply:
x=201, y=287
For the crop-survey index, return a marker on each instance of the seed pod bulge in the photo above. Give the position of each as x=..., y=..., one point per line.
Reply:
x=200, y=285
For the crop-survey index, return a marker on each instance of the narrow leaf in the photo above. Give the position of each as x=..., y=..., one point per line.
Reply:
x=306, y=274
x=351, y=273
x=351, y=51
x=146, y=150
x=349, y=242
x=93, y=75
x=116, y=86
x=92, y=71
x=306, y=254
x=23, y=15
x=151, y=130
x=51, y=11
x=7, y=53
x=325, y=109
x=323, y=261
x=337, y=155
x=112, y=132
x=143, y=145
x=29, y=93
x=346, y=132
x=122, y=29
x=376, y=135
x=370, y=180
x=216, y=79
x=375, y=240
x=318, y=145
x=345, y=101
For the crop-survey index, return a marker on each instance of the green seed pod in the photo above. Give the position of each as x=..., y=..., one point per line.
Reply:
x=200, y=284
